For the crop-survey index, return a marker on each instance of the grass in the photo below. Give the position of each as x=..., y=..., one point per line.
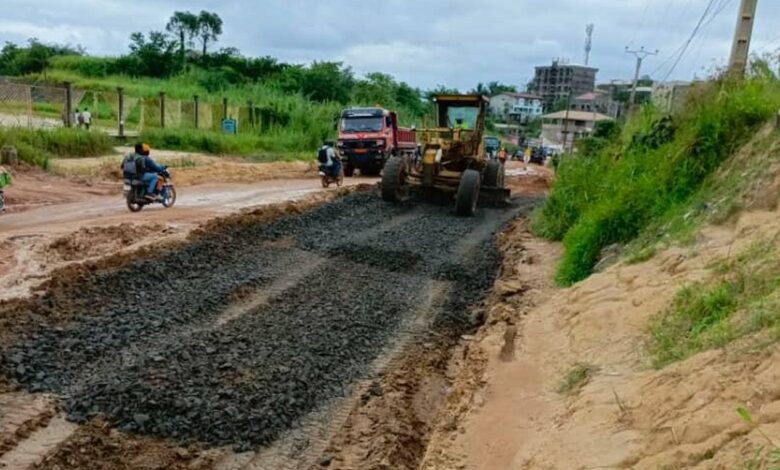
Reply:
x=38, y=146
x=576, y=378
x=743, y=300
x=280, y=145
x=649, y=176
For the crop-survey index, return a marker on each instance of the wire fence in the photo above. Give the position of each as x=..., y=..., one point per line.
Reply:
x=34, y=106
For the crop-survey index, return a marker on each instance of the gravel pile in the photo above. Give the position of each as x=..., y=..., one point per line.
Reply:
x=144, y=347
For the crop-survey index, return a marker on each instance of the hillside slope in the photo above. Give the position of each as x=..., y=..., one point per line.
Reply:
x=601, y=377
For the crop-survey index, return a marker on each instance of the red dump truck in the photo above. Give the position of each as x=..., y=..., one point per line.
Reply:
x=370, y=136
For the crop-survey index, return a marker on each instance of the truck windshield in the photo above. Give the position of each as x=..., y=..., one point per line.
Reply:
x=361, y=124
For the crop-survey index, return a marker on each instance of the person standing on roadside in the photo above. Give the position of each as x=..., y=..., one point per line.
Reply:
x=79, y=119
x=502, y=155
x=86, y=117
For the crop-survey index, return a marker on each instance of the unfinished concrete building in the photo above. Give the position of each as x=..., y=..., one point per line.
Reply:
x=554, y=82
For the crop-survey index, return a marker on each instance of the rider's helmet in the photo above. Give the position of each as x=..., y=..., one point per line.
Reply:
x=329, y=143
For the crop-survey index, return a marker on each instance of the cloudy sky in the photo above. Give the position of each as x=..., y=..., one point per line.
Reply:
x=424, y=42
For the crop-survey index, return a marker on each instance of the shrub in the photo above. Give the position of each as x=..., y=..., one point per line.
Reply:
x=610, y=196
x=37, y=146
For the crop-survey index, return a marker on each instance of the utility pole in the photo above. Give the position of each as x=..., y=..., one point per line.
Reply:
x=566, y=123
x=640, y=55
x=742, y=36
x=588, y=41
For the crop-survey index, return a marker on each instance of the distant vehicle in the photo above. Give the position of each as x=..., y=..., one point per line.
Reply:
x=492, y=144
x=368, y=137
x=538, y=155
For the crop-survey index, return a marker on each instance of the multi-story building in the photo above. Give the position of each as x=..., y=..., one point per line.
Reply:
x=556, y=82
x=527, y=107
x=597, y=101
x=521, y=107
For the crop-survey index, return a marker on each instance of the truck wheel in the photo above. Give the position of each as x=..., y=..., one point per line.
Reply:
x=468, y=193
x=494, y=175
x=394, y=180
x=349, y=170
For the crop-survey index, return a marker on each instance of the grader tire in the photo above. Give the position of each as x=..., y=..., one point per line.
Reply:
x=394, y=180
x=468, y=193
x=494, y=175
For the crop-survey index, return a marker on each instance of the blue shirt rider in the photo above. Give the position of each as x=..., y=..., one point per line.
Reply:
x=150, y=172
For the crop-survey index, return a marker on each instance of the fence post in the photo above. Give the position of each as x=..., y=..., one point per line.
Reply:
x=68, y=104
x=162, y=109
x=197, y=110
x=224, y=108
x=120, y=93
x=29, y=107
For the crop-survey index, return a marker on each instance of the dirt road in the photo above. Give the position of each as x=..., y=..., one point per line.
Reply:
x=241, y=336
x=193, y=204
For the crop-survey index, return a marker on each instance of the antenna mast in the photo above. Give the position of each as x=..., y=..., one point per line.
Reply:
x=588, y=41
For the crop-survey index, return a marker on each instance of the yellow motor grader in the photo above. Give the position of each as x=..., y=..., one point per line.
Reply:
x=452, y=158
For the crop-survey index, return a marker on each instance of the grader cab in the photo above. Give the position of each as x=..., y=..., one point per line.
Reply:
x=452, y=158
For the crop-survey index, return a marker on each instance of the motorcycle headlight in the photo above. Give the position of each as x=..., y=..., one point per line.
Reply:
x=380, y=143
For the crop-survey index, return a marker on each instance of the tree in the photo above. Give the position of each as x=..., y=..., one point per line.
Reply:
x=209, y=28
x=495, y=88
x=184, y=25
x=152, y=57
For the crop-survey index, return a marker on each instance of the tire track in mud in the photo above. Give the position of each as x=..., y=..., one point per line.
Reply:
x=150, y=348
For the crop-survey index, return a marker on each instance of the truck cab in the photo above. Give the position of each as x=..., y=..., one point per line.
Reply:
x=368, y=137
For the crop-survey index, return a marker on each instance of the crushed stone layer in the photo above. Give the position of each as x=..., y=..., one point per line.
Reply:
x=238, y=336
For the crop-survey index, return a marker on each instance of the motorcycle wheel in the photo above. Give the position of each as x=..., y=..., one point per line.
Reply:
x=169, y=201
x=132, y=204
x=325, y=181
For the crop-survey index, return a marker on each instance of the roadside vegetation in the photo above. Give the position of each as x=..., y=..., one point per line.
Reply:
x=743, y=300
x=576, y=378
x=38, y=146
x=651, y=171
x=298, y=105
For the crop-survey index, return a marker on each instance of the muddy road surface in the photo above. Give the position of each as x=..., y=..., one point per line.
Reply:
x=239, y=336
x=194, y=203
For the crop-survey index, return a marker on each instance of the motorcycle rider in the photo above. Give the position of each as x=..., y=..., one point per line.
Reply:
x=329, y=163
x=150, y=171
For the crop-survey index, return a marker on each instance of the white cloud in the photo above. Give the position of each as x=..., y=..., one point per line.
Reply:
x=425, y=42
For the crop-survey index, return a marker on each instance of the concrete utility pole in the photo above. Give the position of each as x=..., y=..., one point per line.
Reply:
x=640, y=55
x=742, y=36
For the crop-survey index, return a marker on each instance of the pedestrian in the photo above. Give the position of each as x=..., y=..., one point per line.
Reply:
x=79, y=119
x=86, y=118
x=502, y=155
x=527, y=157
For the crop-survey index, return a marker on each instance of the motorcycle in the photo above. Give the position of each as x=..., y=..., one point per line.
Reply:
x=135, y=193
x=327, y=179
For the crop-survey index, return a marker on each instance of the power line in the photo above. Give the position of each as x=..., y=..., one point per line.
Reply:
x=690, y=39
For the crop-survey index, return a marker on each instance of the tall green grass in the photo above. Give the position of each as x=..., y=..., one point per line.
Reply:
x=37, y=146
x=611, y=196
x=278, y=145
